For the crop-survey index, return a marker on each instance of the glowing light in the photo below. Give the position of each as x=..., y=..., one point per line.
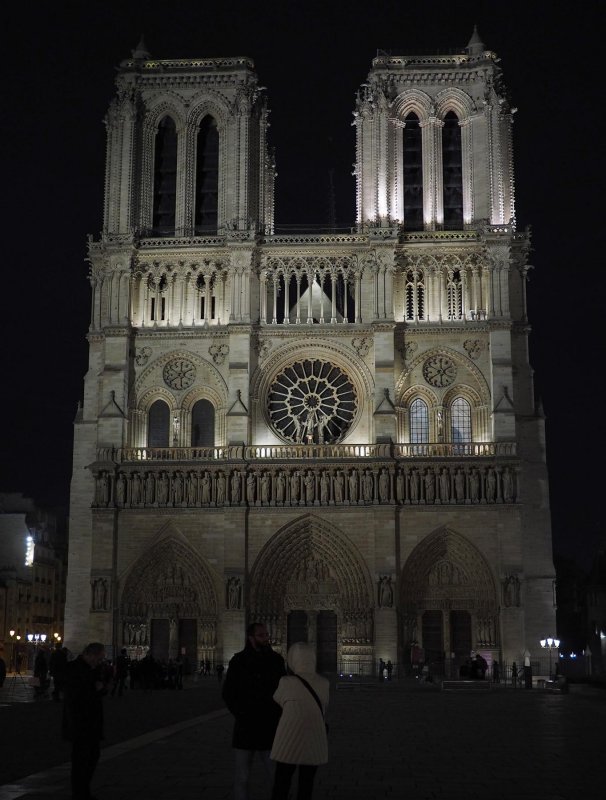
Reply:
x=30, y=637
x=11, y=633
x=43, y=637
x=29, y=551
x=573, y=655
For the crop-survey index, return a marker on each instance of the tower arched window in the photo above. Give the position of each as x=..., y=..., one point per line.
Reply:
x=454, y=294
x=158, y=425
x=415, y=295
x=165, y=178
x=203, y=424
x=412, y=173
x=207, y=177
x=460, y=420
x=452, y=166
x=419, y=422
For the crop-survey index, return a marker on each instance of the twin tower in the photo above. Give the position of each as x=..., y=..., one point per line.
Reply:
x=333, y=433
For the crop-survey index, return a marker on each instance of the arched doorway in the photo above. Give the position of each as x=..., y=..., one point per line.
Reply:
x=448, y=602
x=169, y=606
x=310, y=584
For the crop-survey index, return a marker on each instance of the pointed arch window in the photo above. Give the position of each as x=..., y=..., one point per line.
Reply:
x=419, y=422
x=454, y=294
x=412, y=173
x=207, y=177
x=158, y=425
x=452, y=166
x=165, y=178
x=415, y=295
x=460, y=420
x=203, y=424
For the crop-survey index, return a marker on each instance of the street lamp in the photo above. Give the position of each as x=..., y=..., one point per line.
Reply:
x=550, y=644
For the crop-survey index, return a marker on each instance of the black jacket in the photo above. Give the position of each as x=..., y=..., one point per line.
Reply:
x=252, y=678
x=83, y=705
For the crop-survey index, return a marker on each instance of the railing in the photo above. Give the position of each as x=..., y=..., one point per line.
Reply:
x=309, y=452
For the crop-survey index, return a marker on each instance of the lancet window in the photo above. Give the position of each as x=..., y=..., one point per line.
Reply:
x=203, y=424
x=308, y=295
x=165, y=178
x=452, y=167
x=412, y=174
x=454, y=294
x=419, y=421
x=157, y=298
x=415, y=295
x=158, y=425
x=207, y=301
x=207, y=177
x=460, y=420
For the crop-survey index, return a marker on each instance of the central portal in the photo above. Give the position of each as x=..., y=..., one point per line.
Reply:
x=318, y=628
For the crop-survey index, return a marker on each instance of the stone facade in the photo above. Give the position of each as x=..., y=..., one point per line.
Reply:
x=371, y=470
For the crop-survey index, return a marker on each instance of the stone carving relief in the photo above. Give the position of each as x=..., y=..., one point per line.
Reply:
x=312, y=486
x=218, y=352
x=233, y=593
x=473, y=347
x=100, y=594
x=143, y=356
x=385, y=595
x=439, y=371
x=361, y=344
x=180, y=373
x=511, y=591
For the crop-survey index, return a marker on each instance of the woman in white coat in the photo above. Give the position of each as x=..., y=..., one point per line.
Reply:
x=300, y=740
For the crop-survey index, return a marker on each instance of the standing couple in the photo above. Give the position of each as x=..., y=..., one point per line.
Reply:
x=278, y=715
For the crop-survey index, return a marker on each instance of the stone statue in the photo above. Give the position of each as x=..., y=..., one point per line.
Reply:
x=511, y=591
x=384, y=486
x=135, y=490
x=385, y=592
x=235, y=487
x=205, y=489
x=120, y=489
x=220, y=489
x=474, y=486
x=444, y=486
x=324, y=487
x=338, y=487
x=162, y=489
x=367, y=486
x=491, y=485
x=294, y=487
x=265, y=488
x=280, y=487
x=310, y=487
x=234, y=593
x=251, y=483
x=177, y=489
x=414, y=486
x=400, y=490
x=150, y=485
x=507, y=486
x=191, y=489
x=460, y=486
x=104, y=489
x=100, y=594
x=430, y=486
x=353, y=486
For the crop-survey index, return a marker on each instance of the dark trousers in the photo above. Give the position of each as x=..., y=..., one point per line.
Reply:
x=85, y=754
x=119, y=683
x=283, y=779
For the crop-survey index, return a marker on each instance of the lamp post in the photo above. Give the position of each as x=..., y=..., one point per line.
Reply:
x=11, y=663
x=550, y=644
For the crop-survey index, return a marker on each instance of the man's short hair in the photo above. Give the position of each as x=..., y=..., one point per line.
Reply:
x=94, y=649
x=252, y=628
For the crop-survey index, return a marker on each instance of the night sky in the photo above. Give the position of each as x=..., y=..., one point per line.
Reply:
x=59, y=64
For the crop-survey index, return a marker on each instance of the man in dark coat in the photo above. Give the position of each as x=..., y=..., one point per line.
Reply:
x=56, y=667
x=121, y=673
x=83, y=716
x=252, y=678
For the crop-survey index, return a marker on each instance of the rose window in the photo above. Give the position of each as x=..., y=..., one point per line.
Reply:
x=312, y=401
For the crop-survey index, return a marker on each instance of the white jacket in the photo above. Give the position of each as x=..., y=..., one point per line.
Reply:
x=301, y=734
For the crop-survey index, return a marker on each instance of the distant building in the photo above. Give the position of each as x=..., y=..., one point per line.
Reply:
x=33, y=556
x=333, y=433
x=596, y=615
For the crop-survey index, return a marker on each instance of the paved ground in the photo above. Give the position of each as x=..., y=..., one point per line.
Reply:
x=397, y=740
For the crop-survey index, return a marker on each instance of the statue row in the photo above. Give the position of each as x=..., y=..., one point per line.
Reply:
x=317, y=486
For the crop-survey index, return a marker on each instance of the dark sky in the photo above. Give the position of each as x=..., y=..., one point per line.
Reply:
x=58, y=63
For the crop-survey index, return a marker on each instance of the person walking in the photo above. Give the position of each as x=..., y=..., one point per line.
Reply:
x=300, y=740
x=121, y=673
x=56, y=667
x=252, y=677
x=83, y=716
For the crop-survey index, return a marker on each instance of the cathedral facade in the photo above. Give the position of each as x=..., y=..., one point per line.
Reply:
x=332, y=433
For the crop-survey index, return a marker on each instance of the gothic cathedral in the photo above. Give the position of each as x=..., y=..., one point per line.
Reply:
x=331, y=433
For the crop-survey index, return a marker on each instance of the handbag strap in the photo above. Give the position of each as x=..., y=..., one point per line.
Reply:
x=313, y=694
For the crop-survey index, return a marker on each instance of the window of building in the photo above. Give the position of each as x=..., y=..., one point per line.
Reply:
x=203, y=424
x=415, y=295
x=419, y=422
x=412, y=159
x=207, y=177
x=454, y=295
x=165, y=178
x=460, y=420
x=158, y=425
x=452, y=166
